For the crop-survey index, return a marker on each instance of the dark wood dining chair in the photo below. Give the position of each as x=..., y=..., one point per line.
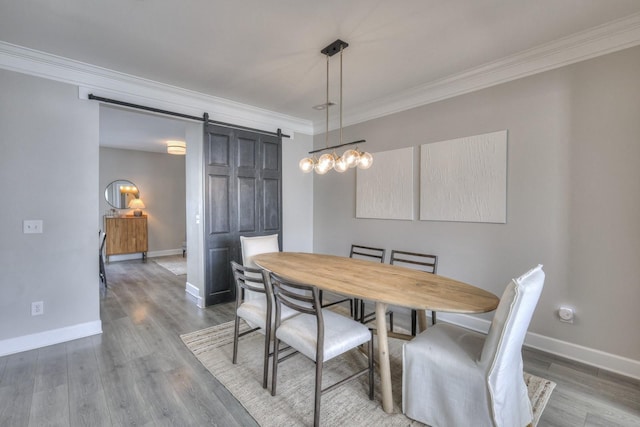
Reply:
x=103, y=273
x=318, y=334
x=363, y=252
x=371, y=254
x=425, y=262
x=255, y=311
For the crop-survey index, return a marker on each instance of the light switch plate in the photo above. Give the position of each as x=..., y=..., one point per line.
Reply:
x=31, y=226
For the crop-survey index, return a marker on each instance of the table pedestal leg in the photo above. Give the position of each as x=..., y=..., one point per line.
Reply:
x=383, y=357
x=422, y=320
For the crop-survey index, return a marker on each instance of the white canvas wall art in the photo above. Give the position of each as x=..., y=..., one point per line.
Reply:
x=385, y=191
x=465, y=179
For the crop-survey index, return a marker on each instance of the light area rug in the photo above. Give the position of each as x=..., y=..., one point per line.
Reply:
x=347, y=405
x=176, y=264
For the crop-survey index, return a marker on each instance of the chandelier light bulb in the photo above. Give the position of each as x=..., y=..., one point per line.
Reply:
x=321, y=169
x=306, y=165
x=365, y=160
x=351, y=158
x=340, y=165
x=326, y=161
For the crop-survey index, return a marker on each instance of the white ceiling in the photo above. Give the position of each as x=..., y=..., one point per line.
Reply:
x=266, y=53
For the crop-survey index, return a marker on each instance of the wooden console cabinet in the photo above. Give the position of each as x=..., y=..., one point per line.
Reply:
x=126, y=235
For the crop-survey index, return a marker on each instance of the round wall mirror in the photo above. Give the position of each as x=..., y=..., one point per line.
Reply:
x=120, y=193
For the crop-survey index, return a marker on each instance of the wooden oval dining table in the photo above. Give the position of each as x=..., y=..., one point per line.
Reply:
x=383, y=284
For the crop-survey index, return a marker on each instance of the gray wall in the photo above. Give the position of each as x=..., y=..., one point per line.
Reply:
x=573, y=201
x=195, y=224
x=52, y=168
x=160, y=177
x=48, y=171
x=297, y=190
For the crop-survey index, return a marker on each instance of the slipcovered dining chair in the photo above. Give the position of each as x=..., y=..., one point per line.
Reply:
x=318, y=334
x=425, y=262
x=453, y=376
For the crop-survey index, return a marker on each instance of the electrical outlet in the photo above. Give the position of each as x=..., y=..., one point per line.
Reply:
x=32, y=226
x=566, y=314
x=37, y=308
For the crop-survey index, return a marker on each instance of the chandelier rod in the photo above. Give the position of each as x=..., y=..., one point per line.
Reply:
x=341, y=49
x=360, y=141
x=326, y=134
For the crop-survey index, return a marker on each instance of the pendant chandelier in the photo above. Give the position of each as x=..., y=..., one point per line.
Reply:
x=351, y=158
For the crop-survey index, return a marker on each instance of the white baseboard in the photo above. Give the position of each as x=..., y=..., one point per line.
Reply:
x=153, y=254
x=166, y=252
x=194, y=292
x=600, y=359
x=46, y=338
x=127, y=257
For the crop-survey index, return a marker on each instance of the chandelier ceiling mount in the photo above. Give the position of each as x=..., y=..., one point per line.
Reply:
x=330, y=160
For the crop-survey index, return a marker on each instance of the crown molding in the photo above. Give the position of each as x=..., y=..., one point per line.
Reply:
x=607, y=38
x=597, y=41
x=113, y=84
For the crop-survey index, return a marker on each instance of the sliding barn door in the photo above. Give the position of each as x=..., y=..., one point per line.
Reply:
x=243, y=197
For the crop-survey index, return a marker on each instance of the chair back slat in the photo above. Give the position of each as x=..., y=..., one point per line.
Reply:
x=248, y=278
x=367, y=252
x=297, y=296
x=426, y=262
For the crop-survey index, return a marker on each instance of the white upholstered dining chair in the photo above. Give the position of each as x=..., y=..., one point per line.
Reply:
x=255, y=311
x=453, y=376
x=252, y=246
x=319, y=334
x=256, y=245
x=254, y=299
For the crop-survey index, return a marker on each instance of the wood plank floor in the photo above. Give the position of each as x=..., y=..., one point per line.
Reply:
x=139, y=373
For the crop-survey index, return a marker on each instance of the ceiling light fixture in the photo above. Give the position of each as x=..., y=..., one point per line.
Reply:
x=177, y=147
x=323, y=106
x=350, y=158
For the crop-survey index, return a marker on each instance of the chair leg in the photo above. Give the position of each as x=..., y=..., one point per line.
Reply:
x=433, y=317
x=236, y=330
x=265, y=361
x=274, y=368
x=414, y=321
x=371, y=356
x=391, y=321
x=318, y=394
x=103, y=273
